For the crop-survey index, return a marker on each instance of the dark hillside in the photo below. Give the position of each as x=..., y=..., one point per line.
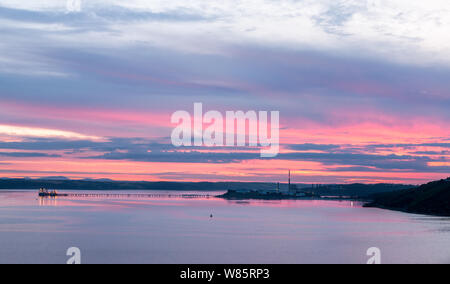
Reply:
x=431, y=199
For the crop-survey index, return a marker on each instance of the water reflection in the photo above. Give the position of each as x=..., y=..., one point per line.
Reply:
x=296, y=203
x=48, y=201
x=177, y=230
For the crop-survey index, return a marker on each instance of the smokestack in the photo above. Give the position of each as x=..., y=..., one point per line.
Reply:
x=289, y=186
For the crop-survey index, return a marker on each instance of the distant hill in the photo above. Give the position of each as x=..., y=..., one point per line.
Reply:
x=55, y=178
x=349, y=190
x=430, y=199
x=355, y=190
x=105, y=184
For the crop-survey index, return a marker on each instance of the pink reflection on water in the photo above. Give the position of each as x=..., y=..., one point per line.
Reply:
x=122, y=201
x=366, y=216
x=297, y=203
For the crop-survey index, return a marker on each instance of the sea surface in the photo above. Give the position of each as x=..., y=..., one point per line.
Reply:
x=173, y=229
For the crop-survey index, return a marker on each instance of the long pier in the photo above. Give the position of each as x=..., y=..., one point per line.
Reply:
x=136, y=195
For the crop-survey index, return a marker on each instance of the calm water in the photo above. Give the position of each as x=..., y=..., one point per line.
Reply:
x=176, y=230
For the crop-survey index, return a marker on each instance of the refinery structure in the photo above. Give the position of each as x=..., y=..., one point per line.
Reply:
x=292, y=192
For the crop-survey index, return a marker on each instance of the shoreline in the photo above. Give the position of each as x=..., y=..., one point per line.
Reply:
x=404, y=210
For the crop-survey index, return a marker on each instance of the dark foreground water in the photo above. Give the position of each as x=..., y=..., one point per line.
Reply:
x=178, y=230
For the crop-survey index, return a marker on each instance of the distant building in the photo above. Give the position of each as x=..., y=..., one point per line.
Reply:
x=292, y=192
x=242, y=190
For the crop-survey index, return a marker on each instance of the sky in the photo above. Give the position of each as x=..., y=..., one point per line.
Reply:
x=87, y=88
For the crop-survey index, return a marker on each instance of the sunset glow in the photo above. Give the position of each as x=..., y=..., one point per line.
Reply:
x=90, y=92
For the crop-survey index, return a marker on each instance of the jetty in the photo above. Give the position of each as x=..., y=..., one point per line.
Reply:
x=137, y=195
x=53, y=193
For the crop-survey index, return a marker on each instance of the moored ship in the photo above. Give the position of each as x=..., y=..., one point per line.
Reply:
x=49, y=193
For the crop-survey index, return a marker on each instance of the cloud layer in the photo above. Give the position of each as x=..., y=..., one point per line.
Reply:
x=362, y=86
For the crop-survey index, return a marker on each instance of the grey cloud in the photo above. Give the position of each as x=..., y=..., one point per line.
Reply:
x=138, y=149
x=179, y=157
x=441, y=145
x=310, y=146
x=91, y=15
x=48, y=144
x=28, y=155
